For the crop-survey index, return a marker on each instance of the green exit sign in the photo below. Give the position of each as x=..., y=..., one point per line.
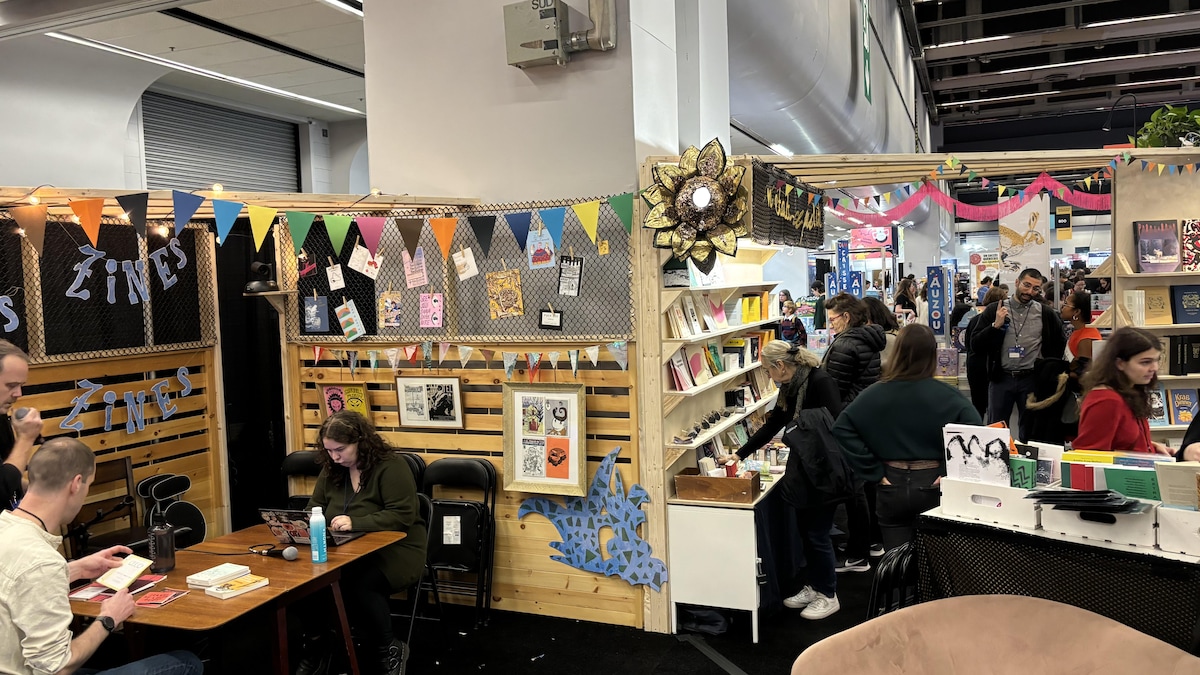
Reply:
x=866, y=43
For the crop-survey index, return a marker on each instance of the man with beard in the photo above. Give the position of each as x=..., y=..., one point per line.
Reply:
x=1014, y=335
x=17, y=437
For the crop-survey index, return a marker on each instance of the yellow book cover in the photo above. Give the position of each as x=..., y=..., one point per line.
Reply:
x=1158, y=305
x=755, y=309
x=1090, y=456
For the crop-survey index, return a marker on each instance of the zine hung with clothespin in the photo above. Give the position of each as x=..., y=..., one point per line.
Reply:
x=550, y=319
x=337, y=280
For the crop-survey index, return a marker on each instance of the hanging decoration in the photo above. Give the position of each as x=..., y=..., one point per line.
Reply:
x=785, y=210
x=698, y=206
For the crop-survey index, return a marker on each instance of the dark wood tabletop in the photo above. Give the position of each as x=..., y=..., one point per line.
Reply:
x=200, y=611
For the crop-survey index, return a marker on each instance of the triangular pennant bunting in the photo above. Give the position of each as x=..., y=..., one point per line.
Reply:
x=374, y=356
x=410, y=353
x=620, y=352
x=464, y=355
x=89, y=212
x=622, y=205
x=299, y=223
x=573, y=354
x=226, y=214
x=443, y=231
x=519, y=224
x=353, y=354
x=31, y=219
x=427, y=354
x=553, y=357
x=371, y=229
x=316, y=354
x=483, y=226
x=134, y=206
x=443, y=349
x=534, y=363
x=487, y=357
x=393, y=357
x=261, y=219
x=410, y=232
x=510, y=362
x=185, y=205
x=593, y=354
x=1001, y=190
x=986, y=182
x=337, y=226
x=553, y=220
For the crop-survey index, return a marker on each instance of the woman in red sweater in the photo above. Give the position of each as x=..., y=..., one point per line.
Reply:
x=1115, y=414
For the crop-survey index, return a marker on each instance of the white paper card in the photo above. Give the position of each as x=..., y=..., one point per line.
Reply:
x=451, y=530
x=336, y=280
x=464, y=264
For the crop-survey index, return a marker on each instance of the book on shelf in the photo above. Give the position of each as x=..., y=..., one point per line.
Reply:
x=1191, y=354
x=1177, y=483
x=731, y=361
x=755, y=345
x=1189, y=245
x=1175, y=355
x=680, y=372
x=713, y=356
x=1158, y=407
x=715, y=308
x=1135, y=304
x=217, y=575
x=238, y=586
x=675, y=274
x=693, y=316
x=1157, y=245
x=1158, y=305
x=947, y=362
x=679, y=322
x=751, y=308
x=733, y=311
x=736, y=346
x=1183, y=405
x=1185, y=303
x=707, y=319
x=1100, y=303
x=696, y=364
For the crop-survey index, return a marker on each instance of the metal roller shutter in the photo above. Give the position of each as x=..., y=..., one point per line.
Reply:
x=190, y=146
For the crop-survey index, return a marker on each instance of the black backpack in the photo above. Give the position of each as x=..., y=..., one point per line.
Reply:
x=817, y=473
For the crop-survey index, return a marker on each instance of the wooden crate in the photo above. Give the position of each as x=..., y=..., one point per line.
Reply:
x=689, y=484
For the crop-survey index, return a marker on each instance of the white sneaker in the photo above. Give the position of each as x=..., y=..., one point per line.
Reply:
x=877, y=550
x=821, y=607
x=854, y=565
x=801, y=599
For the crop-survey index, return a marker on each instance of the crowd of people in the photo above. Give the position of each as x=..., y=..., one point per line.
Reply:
x=864, y=421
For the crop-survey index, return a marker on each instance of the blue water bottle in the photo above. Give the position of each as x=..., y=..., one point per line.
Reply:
x=316, y=534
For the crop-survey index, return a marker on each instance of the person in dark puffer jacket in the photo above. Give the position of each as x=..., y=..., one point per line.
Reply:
x=853, y=358
x=854, y=361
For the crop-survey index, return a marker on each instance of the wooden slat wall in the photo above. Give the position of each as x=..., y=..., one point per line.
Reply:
x=525, y=578
x=187, y=443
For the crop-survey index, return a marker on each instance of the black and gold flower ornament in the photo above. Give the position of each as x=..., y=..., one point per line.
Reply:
x=698, y=206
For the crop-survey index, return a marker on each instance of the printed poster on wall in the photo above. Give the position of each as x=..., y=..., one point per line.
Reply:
x=431, y=310
x=985, y=264
x=415, y=275
x=544, y=438
x=1024, y=239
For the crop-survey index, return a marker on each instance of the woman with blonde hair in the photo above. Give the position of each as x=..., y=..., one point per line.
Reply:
x=803, y=385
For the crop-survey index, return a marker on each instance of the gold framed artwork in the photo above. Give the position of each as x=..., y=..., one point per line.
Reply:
x=432, y=402
x=339, y=397
x=544, y=435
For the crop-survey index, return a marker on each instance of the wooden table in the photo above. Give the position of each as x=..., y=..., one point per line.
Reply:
x=289, y=581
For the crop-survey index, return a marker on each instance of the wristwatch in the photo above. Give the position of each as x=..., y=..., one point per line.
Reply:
x=107, y=622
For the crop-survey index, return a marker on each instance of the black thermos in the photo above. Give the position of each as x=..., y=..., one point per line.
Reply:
x=162, y=548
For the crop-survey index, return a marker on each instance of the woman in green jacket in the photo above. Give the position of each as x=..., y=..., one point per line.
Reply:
x=892, y=433
x=364, y=486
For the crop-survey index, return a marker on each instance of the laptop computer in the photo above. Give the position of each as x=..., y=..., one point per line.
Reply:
x=290, y=526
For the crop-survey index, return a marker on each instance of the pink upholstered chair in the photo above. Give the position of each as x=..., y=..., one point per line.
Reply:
x=993, y=635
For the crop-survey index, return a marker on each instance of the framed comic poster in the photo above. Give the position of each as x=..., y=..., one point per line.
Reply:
x=339, y=397
x=544, y=437
x=434, y=402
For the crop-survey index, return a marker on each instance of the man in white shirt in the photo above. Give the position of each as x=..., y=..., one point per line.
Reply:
x=35, y=614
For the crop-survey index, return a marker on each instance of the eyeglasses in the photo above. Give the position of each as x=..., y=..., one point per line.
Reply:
x=835, y=317
x=1030, y=286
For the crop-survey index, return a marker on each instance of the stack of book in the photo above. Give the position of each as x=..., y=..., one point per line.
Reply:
x=226, y=580
x=1132, y=474
x=1163, y=305
x=694, y=314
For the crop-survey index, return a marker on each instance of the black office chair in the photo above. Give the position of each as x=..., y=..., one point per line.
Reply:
x=895, y=582
x=427, y=584
x=114, y=515
x=476, y=524
x=300, y=463
x=163, y=502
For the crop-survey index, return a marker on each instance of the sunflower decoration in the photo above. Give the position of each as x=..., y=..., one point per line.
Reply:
x=697, y=207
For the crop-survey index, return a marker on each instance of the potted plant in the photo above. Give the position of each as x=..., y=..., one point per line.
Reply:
x=1168, y=127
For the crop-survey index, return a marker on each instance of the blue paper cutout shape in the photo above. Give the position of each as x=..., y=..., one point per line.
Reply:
x=519, y=224
x=629, y=556
x=553, y=220
x=185, y=204
x=225, y=213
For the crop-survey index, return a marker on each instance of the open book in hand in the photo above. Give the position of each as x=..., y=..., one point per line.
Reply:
x=121, y=577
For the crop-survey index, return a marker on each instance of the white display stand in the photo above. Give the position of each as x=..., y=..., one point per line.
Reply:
x=713, y=555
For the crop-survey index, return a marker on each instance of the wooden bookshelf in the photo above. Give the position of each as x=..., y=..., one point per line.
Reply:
x=716, y=381
x=726, y=423
x=705, y=337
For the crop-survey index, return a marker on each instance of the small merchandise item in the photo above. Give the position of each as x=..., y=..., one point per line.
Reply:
x=121, y=577
x=235, y=587
x=217, y=575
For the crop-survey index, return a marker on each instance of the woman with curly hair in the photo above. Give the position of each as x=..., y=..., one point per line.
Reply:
x=365, y=486
x=1115, y=414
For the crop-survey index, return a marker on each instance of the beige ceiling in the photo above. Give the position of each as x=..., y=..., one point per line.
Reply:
x=306, y=25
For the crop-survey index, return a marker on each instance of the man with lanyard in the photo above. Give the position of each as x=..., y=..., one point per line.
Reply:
x=1015, y=335
x=17, y=437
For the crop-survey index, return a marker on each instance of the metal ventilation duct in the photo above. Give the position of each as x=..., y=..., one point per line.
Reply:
x=35, y=17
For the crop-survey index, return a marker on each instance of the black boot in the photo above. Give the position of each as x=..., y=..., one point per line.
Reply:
x=315, y=656
x=393, y=658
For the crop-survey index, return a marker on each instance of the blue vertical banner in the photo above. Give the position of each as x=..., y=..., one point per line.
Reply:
x=935, y=286
x=843, y=265
x=831, y=286
x=856, y=284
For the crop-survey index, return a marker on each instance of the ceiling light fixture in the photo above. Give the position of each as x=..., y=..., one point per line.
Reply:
x=347, y=6
x=972, y=41
x=1055, y=92
x=1106, y=59
x=183, y=67
x=1118, y=22
x=780, y=150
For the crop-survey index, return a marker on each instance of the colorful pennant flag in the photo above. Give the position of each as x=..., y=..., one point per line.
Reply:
x=443, y=231
x=620, y=352
x=553, y=356
x=593, y=354
x=261, y=219
x=553, y=220
x=410, y=353
x=464, y=355
x=374, y=356
x=573, y=354
x=337, y=227
x=483, y=226
x=134, y=206
x=299, y=223
x=519, y=224
x=32, y=219
x=393, y=357
x=353, y=355
x=225, y=213
x=443, y=349
x=534, y=364
x=410, y=232
x=371, y=229
x=1001, y=190
x=185, y=205
x=986, y=182
x=510, y=362
x=427, y=354
x=89, y=212
x=622, y=205
x=487, y=357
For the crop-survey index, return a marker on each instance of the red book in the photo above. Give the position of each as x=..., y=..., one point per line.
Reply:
x=1082, y=477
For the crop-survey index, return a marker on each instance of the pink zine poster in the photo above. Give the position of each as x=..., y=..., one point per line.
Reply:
x=431, y=310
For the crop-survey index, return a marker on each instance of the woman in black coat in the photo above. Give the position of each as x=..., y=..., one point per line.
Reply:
x=977, y=377
x=853, y=358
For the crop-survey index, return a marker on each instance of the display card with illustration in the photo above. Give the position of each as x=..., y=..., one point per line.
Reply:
x=431, y=310
x=336, y=279
x=539, y=248
x=464, y=264
x=546, y=446
x=316, y=314
x=350, y=321
x=389, y=309
x=415, y=275
x=364, y=263
x=570, y=275
x=504, y=294
x=339, y=397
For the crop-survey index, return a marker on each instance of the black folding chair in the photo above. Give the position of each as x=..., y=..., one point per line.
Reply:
x=300, y=463
x=473, y=552
x=895, y=582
